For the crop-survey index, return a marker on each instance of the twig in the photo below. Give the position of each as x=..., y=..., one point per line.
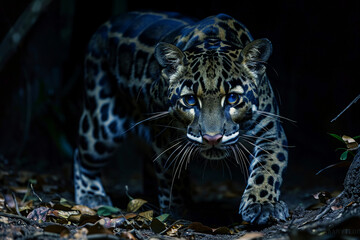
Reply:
x=16, y=204
x=33, y=192
x=328, y=207
x=20, y=29
x=354, y=101
x=28, y=221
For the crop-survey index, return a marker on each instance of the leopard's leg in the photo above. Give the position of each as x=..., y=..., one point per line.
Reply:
x=101, y=130
x=260, y=201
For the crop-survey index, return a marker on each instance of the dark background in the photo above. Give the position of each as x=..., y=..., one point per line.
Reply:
x=316, y=58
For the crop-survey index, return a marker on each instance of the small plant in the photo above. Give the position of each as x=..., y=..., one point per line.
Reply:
x=350, y=142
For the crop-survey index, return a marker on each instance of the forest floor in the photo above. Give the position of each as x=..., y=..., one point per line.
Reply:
x=39, y=206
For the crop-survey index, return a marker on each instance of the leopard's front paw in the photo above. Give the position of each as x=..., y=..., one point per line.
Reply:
x=263, y=213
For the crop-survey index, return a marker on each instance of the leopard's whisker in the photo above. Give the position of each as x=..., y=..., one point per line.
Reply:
x=177, y=128
x=155, y=117
x=255, y=146
x=193, y=147
x=166, y=166
x=266, y=140
x=244, y=162
x=179, y=163
x=254, y=157
x=228, y=168
x=183, y=160
x=238, y=159
x=275, y=116
x=167, y=150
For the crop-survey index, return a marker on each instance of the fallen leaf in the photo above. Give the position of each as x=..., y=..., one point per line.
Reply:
x=172, y=232
x=148, y=214
x=39, y=214
x=135, y=204
x=221, y=230
x=130, y=215
x=98, y=228
x=323, y=196
x=199, y=227
x=111, y=222
x=81, y=233
x=163, y=217
x=157, y=226
x=334, y=208
x=84, y=209
x=60, y=229
x=63, y=214
x=4, y=220
x=251, y=236
x=108, y=211
x=127, y=235
x=84, y=219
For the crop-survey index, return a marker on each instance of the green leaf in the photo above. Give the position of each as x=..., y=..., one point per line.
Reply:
x=337, y=137
x=107, y=211
x=163, y=217
x=356, y=137
x=344, y=155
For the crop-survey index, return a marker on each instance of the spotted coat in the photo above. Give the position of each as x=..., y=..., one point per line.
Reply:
x=193, y=89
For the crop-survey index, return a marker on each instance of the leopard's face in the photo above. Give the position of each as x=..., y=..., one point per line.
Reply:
x=212, y=92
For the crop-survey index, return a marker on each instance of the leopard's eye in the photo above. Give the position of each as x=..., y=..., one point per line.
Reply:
x=190, y=100
x=232, y=98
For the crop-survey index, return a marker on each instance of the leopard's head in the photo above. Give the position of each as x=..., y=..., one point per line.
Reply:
x=213, y=90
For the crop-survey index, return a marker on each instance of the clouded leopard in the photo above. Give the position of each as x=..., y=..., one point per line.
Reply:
x=206, y=82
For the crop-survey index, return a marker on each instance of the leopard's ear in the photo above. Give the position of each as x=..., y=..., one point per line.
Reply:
x=170, y=57
x=255, y=54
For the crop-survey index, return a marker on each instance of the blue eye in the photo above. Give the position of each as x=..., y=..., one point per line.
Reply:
x=190, y=100
x=232, y=98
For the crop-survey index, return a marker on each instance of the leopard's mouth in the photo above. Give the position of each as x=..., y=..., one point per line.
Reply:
x=213, y=153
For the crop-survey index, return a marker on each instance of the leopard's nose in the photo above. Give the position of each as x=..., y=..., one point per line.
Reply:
x=212, y=140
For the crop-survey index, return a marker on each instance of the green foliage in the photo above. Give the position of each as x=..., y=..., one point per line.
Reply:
x=336, y=137
x=350, y=143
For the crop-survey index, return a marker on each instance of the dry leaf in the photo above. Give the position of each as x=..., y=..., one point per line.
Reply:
x=130, y=215
x=62, y=230
x=84, y=210
x=323, y=196
x=148, y=214
x=251, y=236
x=81, y=233
x=63, y=214
x=39, y=214
x=135, y=204
x=4, y=220
x=127, y=235
x=157, y=226
x=334, y=208
x=111, y=222
x=221, y=230
x=351, y=144
x=199, y=227
x=172, y=232
x=98, y=229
